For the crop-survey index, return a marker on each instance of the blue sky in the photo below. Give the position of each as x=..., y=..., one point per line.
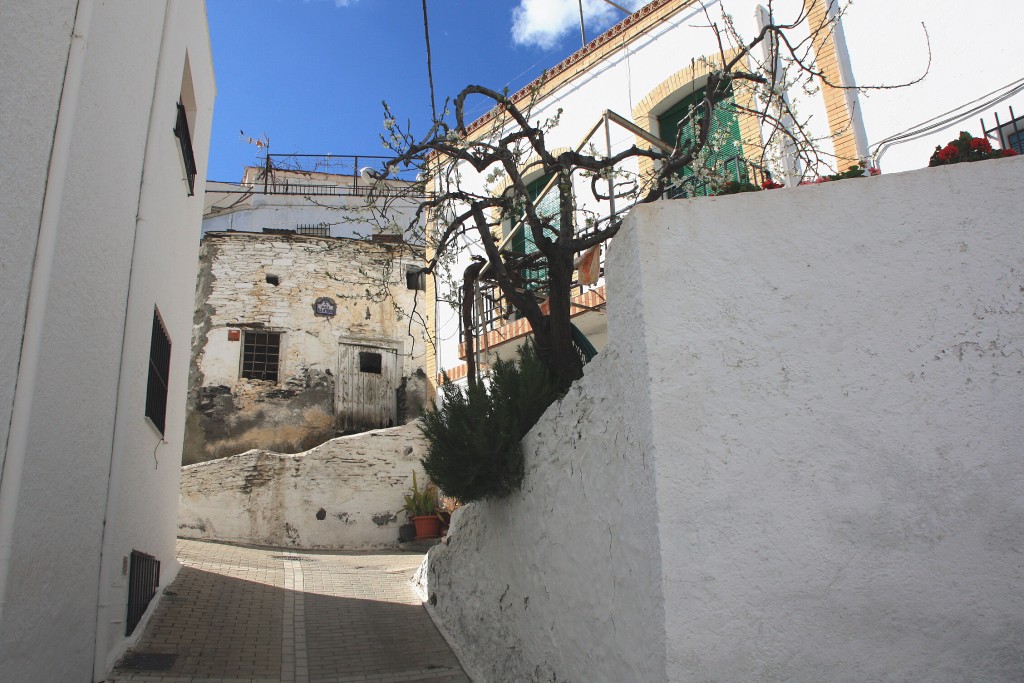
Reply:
x=311, y=74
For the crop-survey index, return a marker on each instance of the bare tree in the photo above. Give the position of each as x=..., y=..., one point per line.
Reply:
x=514, y=147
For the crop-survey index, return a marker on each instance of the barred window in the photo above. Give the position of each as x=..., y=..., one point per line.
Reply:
x=261, y=352
x=159, y=371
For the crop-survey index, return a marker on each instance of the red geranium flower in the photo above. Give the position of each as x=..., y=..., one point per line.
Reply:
x=948, y=152
x=771, y=185
x=981, y=144
x=1009, y=153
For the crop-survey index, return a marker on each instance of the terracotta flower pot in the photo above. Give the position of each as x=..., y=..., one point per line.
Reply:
x=427, y=526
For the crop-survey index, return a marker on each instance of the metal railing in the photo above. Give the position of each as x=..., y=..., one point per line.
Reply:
x=492, y=310
x=1009, y=135
x=325, y=175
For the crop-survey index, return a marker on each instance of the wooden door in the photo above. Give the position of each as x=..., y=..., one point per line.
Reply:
x=367, y=379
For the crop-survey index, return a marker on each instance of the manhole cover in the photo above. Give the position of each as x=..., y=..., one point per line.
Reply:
x=147, y=661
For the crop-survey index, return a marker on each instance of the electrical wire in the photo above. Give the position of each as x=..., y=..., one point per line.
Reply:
x=949, y=118
x=430, y=69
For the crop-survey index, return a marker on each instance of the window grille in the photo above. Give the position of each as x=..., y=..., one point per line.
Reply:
x=314, y=229
x=143, y=580
x=159, y=372
x=260, y=355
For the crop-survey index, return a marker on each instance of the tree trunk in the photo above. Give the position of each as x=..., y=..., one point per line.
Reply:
x=554, y=339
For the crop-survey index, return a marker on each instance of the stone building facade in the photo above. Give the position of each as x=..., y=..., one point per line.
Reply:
x=298, y=339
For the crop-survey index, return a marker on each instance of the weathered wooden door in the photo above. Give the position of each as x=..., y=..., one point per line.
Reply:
x=367, y=378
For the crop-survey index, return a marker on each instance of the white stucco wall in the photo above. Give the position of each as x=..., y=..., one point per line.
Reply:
x=29, y=119
x=557, y=582
x=831, y=378
x=347, y=216
x=888, y=46
x=266, y=498
x=837, y=411
x=82, y=483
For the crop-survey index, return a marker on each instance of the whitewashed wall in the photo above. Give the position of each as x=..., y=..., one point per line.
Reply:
x=356, y=483
x=888, y=47
x=819, y=393
x=347, y=216
x=102, y=187
x=557, y=582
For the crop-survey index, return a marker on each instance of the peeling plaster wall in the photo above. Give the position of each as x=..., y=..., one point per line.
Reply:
x=346, y=493
x=835, y=412
x=229, y=415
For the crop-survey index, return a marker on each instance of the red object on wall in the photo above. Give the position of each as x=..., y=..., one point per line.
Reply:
x=234, y=335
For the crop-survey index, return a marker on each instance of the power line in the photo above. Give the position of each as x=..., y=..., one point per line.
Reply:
x=430, y=70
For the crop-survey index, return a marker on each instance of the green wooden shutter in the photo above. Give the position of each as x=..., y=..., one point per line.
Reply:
x=727, y=158
x=548, y=209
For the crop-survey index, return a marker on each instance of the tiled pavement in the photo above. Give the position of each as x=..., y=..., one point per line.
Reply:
x=256, y=615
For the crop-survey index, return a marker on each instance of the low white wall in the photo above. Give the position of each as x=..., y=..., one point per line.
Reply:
x=832, y=379
x=356, y=483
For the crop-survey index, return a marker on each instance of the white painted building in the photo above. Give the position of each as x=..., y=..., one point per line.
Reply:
x=106, y=110
x=337, y=202
x=650, y=62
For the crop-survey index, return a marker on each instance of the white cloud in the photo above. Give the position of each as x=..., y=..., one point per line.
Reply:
x=344, y=3
x=545, y=22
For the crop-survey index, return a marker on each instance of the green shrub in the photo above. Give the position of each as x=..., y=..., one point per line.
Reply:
x=474, y=437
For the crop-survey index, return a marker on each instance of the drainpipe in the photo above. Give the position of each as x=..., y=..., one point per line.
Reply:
x=39, y=292
x=790, y=158
x=860, y=135
x=110, y=564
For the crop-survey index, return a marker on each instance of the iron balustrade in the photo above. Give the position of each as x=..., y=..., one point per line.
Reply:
x=1009, y=135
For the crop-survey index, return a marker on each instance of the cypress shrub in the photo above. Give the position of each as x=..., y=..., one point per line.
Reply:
x=474, y=450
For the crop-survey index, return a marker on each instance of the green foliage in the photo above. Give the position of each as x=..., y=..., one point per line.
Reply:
x=420, y=502
x=474, y=437
x=735, y=187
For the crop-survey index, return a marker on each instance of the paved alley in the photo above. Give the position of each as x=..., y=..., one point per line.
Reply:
x=257, y=615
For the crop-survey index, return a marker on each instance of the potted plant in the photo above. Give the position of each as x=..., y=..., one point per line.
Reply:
x=421, y=505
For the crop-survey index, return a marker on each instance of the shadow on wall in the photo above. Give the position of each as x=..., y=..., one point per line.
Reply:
x=345, y=493
x=290, y=418
x=293, y=417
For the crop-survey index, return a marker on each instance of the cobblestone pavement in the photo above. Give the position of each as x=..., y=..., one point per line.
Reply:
x=256, y=615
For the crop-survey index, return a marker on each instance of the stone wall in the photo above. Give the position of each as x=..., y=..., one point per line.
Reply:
x=345, y=493
x=237, y=294
x=798, y=458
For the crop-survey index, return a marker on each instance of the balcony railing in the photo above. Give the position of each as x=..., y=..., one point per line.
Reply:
x=328, y=175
